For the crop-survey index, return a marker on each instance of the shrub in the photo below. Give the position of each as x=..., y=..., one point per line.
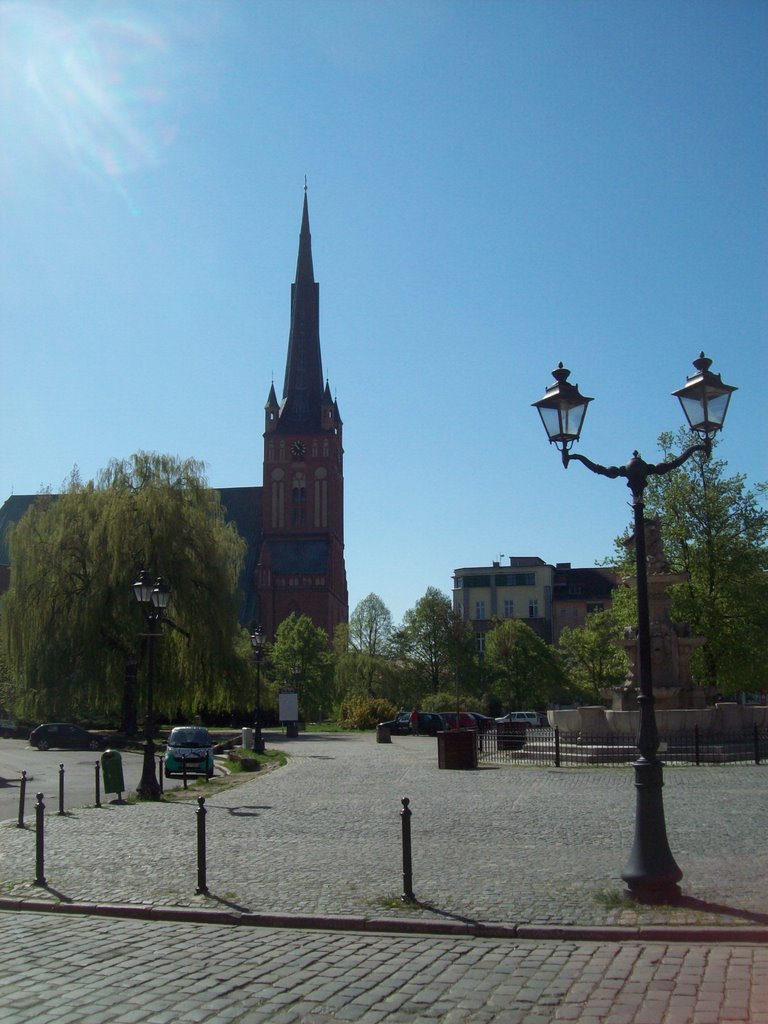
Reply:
x=365, y=712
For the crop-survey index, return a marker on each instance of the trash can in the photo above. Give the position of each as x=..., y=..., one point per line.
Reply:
x=112, y=772
x=247, y=740
x=383, y=735
x=457, y=749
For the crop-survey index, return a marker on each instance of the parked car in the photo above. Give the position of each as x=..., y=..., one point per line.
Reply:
x=190, y=748
x=466, y=721
x=7, y=727
x=429, y=723
x=527, y=718
x=483, y=721
x=65, y=736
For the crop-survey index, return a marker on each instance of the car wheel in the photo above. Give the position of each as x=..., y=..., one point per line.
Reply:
x=42, y=744
x=94, y=745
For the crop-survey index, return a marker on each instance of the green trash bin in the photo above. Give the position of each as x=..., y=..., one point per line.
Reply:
x=112, y=772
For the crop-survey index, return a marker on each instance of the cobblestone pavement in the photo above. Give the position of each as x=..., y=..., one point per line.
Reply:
x=94, y=970
x=322, y=837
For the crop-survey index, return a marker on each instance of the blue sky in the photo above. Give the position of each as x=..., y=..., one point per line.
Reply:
x=493, y=186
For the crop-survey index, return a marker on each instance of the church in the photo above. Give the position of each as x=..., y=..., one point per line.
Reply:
x=293, y=524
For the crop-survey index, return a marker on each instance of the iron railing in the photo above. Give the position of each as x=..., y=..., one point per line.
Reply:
x=556, y=747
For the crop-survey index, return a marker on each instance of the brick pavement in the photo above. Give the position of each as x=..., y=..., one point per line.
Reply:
x=534, y=849
x=96, y=970
x=510, y=845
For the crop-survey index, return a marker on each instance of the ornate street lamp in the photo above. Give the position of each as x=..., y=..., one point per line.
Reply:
x=651, y=873
x=154, y=599
x=257, y=646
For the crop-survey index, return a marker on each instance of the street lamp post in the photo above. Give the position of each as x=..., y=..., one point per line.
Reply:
x=257, y=646
x=154, y=599
x=650, y=873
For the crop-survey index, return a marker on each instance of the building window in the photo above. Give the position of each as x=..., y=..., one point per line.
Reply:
x=321, y=497
x=593, y=608
x=299, y=500
x=479, y=609
x=509, y=608
x=533, y=608
x=480, y=643
x=278, y=498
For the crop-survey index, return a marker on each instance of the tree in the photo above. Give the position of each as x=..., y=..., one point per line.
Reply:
x=72, y=631
x=300, y=657
x=370, y=627
x=526, y=670
x=592, y=654
x=363, y=648
x=715, y=530
x=424, y=640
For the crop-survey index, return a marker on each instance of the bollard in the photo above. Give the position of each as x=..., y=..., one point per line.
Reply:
x=696, y=756
x=405, y=817
x=557, y=746
x=22, y=799
x=97, y=772
x=184, y=770
x=202, y=888
x=40, y=841
x=160, y=772
x=61, y=789
x=757, y=744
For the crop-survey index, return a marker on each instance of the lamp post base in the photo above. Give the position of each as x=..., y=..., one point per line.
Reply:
x=149, y=787
x=651, y=872
x=258, y=739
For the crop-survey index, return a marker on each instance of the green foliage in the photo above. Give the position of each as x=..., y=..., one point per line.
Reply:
x=72, y=631
x=715, y=530
x=424, y=641
x=443, y=700
x=300, y=657
x=526, y=671
x=593, y=658
x=365, y=712
x=370, y=627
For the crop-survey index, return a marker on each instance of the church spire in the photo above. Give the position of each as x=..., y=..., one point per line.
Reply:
x=303, y=385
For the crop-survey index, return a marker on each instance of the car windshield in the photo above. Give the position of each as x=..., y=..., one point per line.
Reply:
x=189, y=738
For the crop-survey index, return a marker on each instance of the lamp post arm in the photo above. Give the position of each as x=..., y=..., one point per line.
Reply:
x=610, y=471
x=666, y=467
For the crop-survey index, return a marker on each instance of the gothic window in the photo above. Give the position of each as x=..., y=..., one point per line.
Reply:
x=299, y=500
x=321, y=497
x=278, y=498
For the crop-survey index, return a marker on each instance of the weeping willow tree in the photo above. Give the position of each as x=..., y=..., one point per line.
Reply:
x=74, y=636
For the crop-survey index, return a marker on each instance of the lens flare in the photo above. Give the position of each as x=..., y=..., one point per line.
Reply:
x=92, y=90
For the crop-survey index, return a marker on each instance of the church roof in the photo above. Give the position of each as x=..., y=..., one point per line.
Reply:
x=303, y=385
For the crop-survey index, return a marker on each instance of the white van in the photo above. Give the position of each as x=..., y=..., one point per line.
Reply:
x=527, y=718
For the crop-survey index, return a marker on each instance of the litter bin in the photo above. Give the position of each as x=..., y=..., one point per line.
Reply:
x=457, y=749
x=247, y=739
x=383, y=735
x=112, y=772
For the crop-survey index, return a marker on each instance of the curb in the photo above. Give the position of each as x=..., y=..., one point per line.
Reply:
x=707, y=934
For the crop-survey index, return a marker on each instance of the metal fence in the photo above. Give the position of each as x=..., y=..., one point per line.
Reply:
x=558, y=748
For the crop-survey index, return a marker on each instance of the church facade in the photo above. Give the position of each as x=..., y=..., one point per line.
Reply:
x=301, y=561
x=293, y=524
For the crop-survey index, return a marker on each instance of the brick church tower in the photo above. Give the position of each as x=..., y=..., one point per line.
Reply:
x=301, y=560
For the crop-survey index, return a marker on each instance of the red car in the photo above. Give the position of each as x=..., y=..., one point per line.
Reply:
x=466, y=721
